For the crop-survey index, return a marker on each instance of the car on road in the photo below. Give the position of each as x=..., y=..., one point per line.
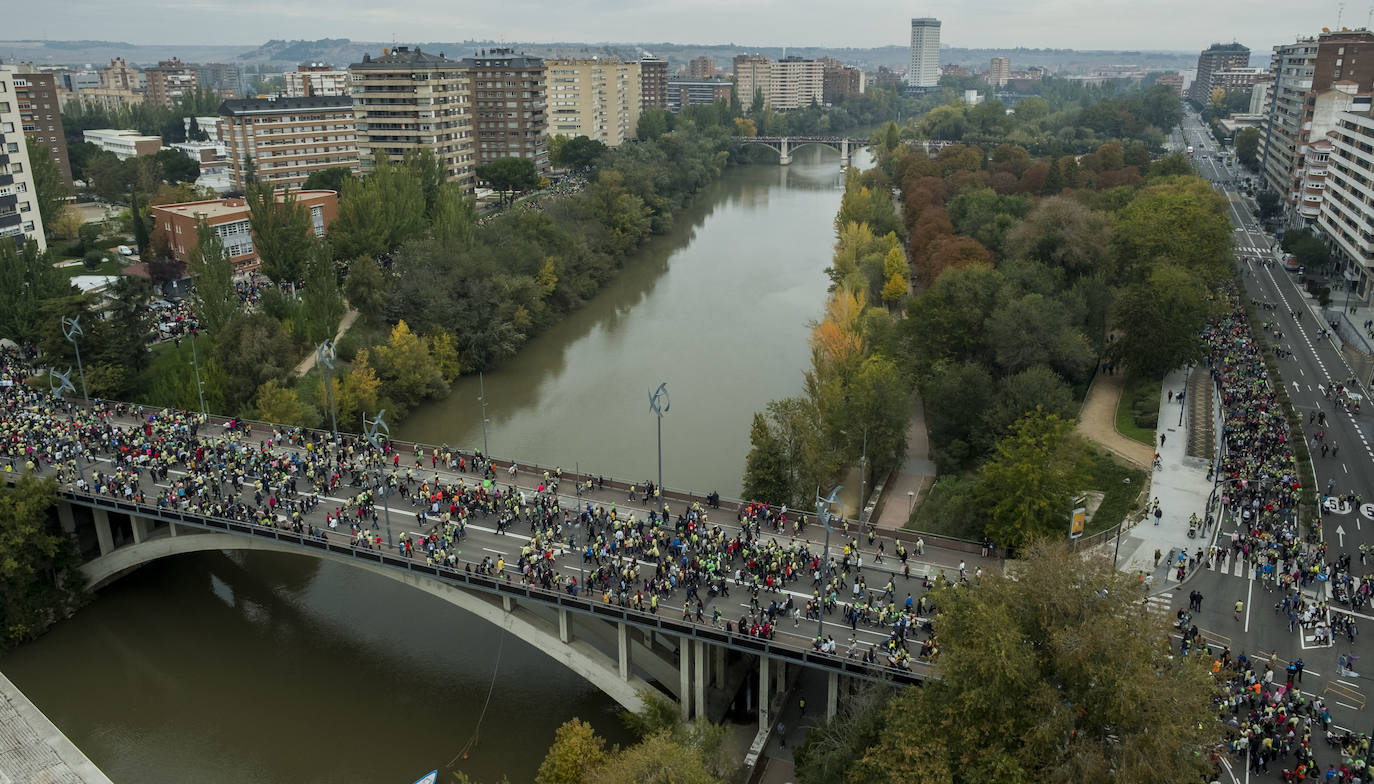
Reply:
x=125, y=250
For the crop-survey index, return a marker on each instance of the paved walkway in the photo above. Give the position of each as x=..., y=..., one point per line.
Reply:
x=33, y=750
x=1182, y=487
x=910, y=481
x=306, y=364
x=1097, y=421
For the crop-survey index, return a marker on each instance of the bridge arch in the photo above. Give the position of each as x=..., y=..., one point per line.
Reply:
x=577, y=655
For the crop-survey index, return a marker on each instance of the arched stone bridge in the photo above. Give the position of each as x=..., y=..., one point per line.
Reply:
x=845, y=146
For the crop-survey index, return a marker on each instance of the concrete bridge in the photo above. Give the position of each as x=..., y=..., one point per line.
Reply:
x=620, y=650
x=786, y=144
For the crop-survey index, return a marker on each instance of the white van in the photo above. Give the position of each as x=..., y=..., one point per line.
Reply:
x=125, y=250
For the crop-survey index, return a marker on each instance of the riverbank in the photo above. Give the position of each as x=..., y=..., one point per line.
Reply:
x=33, y=749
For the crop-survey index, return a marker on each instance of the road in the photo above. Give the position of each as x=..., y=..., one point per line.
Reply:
x=1291, y=322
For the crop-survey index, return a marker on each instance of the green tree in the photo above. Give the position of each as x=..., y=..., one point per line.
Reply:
x=575, y=752
x=253, y=349
x=427, y=170
x=1269, y=203
x=139, y=215
x=50, y=191
x=1063, y=232
x=177, y=166
x=250, y=171
x=1057, y=672
x=380, y=212
x=365, y=288
x=508, y=175
x=40, y=579
x=277, y=403
x=653, y=123
x=1184, y=222
x=281, y=232
x=331, y=179
x=580, y=152
x=1247, y=147
x=27, y=280
x=454, y=218
x=765, y=468
x=1310, y=251
x=216, y=301
x=1026, y=486
x=322, y=306
x=1159, y=320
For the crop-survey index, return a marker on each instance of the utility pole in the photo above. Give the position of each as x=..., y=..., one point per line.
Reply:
x=658, y=403
x=823, y=511
x=482, y=398
x=324, y=355
x=376, y=429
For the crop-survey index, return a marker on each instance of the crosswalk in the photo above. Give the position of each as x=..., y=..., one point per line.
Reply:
x=1161, y=605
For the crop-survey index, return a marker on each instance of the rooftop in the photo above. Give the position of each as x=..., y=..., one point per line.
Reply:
x=243, y=106
x=404, y=56
x=231, y=207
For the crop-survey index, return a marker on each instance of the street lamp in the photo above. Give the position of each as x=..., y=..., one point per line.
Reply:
x=375, y=429
x=658, y=403
x=482, y=398
x=60, y=383
x=324, y=355
x=195, y=362
x=71, y=328
x=823, y=512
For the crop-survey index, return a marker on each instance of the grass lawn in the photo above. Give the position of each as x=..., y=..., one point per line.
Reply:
x=1137, y=414
x=107, y=267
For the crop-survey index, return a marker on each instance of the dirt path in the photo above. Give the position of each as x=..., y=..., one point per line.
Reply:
x=1097, y=421
x=344, y=323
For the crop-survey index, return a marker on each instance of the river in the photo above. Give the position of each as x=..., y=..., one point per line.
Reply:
x=258, y=667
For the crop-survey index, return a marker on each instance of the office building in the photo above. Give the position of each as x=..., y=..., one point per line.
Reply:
x=229, y=218
x=119, y=76
x=1313, y=80
x=224, y=79
x=41, y=114
x=697, y=92
x=596, y=98
x=653, y=82
x=1213, y=60
x=169, y=82
x=288, y=139
x=19, y=217
x=406, y=100
x=124, y=144
x=924, y=70
x=999, y=71
x=509, y=107
x=701, y=68
x=311, y=79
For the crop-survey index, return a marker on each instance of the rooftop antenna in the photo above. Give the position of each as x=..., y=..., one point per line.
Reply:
x=1369, y=18
x=1339, y=13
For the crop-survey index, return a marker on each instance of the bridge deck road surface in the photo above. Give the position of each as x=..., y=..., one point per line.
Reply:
x=1262, y=633
x=482, y=540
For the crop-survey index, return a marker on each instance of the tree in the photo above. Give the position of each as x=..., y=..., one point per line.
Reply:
x=51, y=190
x=580, y=152
x=895, y=289
x=1159, y=321
x=1057, y=672
x=281, y=232
x=1269, y=204
x=380, y=212
x=653, y=123
x=1247, y=147
x=1063, y=232
x=406, y=369
x=277, y=403
x=67, y=224
x=508, y=175
x=364, y=288
x=139, y=214
x=40, y=579
x=27, y=280
x=250, y=171
x=177, y=166
x=322, y=305
x=1027, y=484
x=1309, y=251
x=1184, y=222
x=331, y=179
x=575, y=752
x=253, y=349
x=216, y=301
x=765, y=468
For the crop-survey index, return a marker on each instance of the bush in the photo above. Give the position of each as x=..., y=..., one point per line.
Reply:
x=93, y=259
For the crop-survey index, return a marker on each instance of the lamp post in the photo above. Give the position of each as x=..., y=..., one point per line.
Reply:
x=482, y=398
x=195, y=362
x=324, y=355
x=863, y=478
x=71, y=328
x=375, y=429
x=61, y=383
x=658, y=403
x=823, y=512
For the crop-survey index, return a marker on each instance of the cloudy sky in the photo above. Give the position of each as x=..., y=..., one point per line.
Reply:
x=1079, y=24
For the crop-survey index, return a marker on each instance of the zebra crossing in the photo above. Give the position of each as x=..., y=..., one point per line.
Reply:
x=1251, y=250
x=1161, y=606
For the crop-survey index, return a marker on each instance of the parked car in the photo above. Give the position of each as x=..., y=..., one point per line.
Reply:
x=125, y=250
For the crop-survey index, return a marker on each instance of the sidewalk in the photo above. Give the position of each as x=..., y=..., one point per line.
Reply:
x=306, y=364
x=1182, y=487
x=910, y=481
x=1097, y=421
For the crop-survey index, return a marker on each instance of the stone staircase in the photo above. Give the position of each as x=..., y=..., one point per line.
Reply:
x=1202, y=438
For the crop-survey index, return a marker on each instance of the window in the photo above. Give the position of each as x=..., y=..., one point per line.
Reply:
x=317, y=219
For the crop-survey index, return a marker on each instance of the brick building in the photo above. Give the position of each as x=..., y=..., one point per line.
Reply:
x=229, y=218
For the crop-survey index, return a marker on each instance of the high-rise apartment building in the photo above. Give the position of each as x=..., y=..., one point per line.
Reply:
x=999, y=71
x=168, y=82
x=653, y=82
x=924, y=70
x=509, y=107
x=410, y=100
x=697, y=92
x=596, y=98
x=752, y=75
x=287, y=139
x=19, y=217
x=1313, y=80
x=315, y=79
x=1174, y=81
x=1213, y=60
x=701, y=68
x=224, y=79
x=1346, y=212
x=36, y=96
x=789, y=83
x=839, y=80
x=119, y=76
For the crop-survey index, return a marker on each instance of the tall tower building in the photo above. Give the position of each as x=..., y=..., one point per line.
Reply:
x=1213, y=60
x=409, y=100
x=653, y=82
x=169, y=82
x=999, y=72
x=597, y=98
x=509, y=107
x=19, y=217
x=42, y=117
x=925, y=53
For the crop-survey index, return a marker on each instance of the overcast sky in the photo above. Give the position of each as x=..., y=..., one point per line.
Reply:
x=1079, y=24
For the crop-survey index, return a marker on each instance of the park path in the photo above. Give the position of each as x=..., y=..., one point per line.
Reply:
x=306, y=364
x=1097, y=421
x=910, y=481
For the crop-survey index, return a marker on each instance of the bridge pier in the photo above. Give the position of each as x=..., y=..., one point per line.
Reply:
x=684, y=668
x=844, y=154
x=832, y=695
x=564, y=632
x=623, y=644
x=703, y=711
x=765, y=693
x=103, y=533
x=507, y=603
x=718, y=669
x=784, y=153
x=141, y=528
x=66, y=518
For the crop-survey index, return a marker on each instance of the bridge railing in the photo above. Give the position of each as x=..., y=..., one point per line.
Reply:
x=504, y=587
x=622, y=485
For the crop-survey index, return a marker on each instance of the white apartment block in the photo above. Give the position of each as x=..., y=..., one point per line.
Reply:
x=596, y=98
x=924, y=70
x=311, y=80
x=1346, y=214
x=18, y=198
x=124, y=144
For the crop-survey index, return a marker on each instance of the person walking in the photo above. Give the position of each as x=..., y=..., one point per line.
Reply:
x=1240, y=607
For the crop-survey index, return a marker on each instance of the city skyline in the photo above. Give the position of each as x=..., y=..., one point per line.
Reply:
x=1113, y=25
